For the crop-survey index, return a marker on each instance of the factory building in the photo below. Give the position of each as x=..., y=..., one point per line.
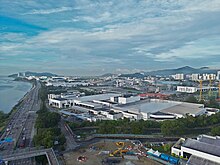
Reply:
x=61, y=103
x=204, y=149
x=163, y=109
x=92, y=101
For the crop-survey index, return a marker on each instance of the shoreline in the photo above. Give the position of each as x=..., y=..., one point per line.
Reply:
x=22, y=98
x=9, y=106
x=13, y=110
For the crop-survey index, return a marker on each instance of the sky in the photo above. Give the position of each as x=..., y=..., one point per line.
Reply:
x=93, y=37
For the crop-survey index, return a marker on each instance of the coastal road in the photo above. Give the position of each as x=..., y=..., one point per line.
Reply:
x=27, y=133
x=22, y=122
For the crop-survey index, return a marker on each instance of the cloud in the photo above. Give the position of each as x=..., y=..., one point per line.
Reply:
x=89, y=35
x=202, y=48
x=49, y=11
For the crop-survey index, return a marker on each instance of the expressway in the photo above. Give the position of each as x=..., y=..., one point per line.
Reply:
x=21, y=124
x=21, y=129
x=26, y=157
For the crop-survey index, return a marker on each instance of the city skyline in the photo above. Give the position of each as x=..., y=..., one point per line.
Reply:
x=95, y=37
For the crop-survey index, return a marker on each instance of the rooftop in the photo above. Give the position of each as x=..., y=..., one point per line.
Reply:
x=59, y=99
x=184, y=108
x=202, y=147
x=193, y=160
x=147, y=106
x=210, y=139
x=90, y=103
x=98, y=97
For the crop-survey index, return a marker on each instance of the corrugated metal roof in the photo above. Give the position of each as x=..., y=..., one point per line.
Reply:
x=202, y=146
x=193, y=160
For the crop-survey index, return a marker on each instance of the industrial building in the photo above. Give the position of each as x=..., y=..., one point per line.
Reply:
x=203, y=150
x=93, y=101
x=163, y=109
x=125, y=99
x=61, y=102
x=114, y=106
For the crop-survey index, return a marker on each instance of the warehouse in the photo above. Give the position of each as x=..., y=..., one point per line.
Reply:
x=203, y=149
x=163, y=109
x=182, y=109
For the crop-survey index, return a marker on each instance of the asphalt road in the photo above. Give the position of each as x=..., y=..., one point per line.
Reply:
x=22, y=123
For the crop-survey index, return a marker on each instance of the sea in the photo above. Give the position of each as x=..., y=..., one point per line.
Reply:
x=11, y=92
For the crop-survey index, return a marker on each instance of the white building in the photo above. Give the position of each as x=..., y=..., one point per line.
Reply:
x=195, y=77
x=203, y=149
x=91, y=102
x=61, y=102
x=162, y=116
x=87, y=104
x=186, y=89
x=211, y=111
x=218, y=75
x=114, y=115
x=179, y=76
x=129, y=99
x=166, y=109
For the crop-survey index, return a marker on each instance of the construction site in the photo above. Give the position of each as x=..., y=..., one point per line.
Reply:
x=126, y=152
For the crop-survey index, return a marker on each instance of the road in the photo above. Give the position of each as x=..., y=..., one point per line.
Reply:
x=68, y=133
x=26, y=157
x=21, y=124
x=70, y=136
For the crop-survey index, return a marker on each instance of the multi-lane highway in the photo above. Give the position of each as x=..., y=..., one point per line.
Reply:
x=21, y=125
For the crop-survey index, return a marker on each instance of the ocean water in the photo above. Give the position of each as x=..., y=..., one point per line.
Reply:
x=11, y=92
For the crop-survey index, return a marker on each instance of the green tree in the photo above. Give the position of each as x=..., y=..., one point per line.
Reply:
x=192, y=99
x=215, y=131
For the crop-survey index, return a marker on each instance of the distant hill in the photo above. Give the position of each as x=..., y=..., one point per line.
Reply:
x=167, y=72
x=28, y=73
x=134, y=75
x=108, y=75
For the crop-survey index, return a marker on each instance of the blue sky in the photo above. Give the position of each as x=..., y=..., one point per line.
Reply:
x=90, y=37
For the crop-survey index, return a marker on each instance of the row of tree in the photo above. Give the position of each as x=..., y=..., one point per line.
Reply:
x=124, y=126
x=182, y=126
x=190, y=125
x=48, y=132
x=3, y=119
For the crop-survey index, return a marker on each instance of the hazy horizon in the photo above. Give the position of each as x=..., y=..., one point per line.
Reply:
x=88, y=37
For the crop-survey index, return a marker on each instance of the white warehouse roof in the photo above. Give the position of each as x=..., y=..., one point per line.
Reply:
x=98, y=97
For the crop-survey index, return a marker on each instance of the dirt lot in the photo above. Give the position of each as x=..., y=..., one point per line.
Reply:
x=94, y=158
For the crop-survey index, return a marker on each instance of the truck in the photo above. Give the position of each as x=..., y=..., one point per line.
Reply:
x=22, y=144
